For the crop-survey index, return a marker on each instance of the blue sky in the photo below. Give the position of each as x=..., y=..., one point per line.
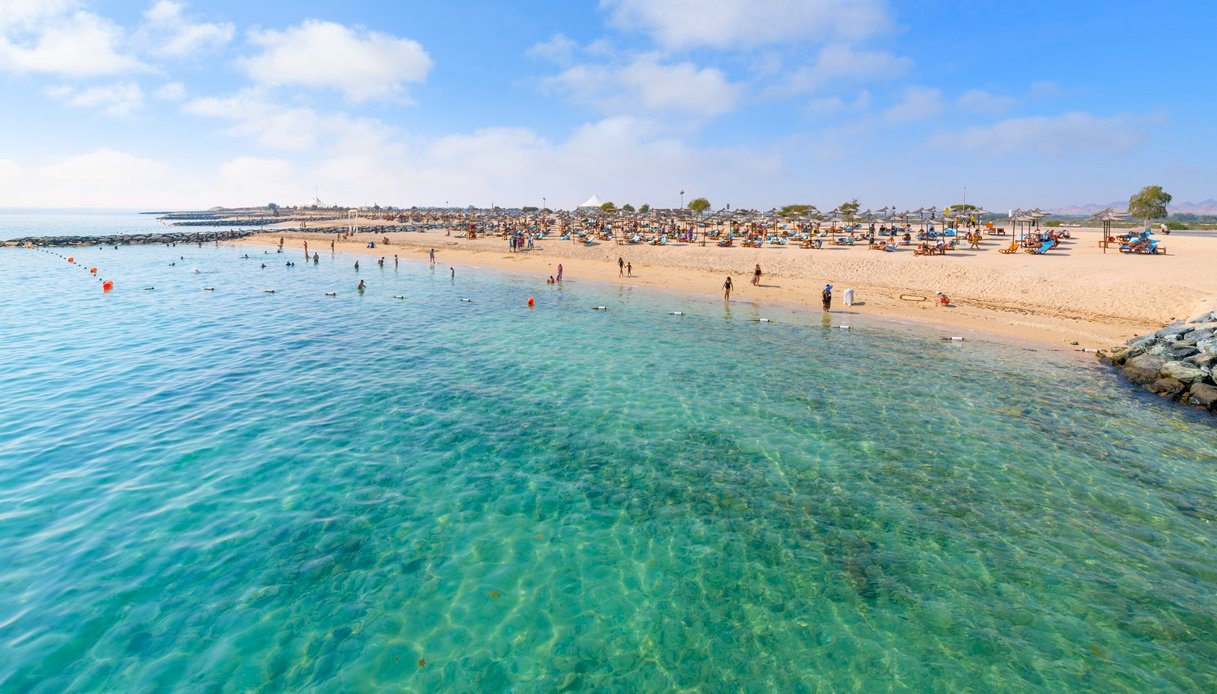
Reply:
x=755, y=103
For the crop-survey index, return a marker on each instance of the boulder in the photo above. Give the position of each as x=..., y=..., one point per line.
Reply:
x=1202, y=361
x=1204, y=317
x=1204, y=395
x=1198, y=334
x=1179, y=352
x=1181, y=371
x=1168, y=388
x=1173, y=330
x=1143, y=369
x=1208, y=346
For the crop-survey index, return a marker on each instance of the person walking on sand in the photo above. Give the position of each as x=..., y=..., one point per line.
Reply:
x=756, y=276
x=826, y=295
x=620, y=266
x=727, y=289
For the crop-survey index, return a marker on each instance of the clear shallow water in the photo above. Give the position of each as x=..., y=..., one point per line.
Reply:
x=232, y=489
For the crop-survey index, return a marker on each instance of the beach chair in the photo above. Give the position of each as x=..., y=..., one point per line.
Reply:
x=1044, y=247
x=726, y=242
x=1012, y=248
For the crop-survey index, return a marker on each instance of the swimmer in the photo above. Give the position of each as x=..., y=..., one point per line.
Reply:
x=356, y=266
x=452, y=271
x=361, y=286
x=316, y=258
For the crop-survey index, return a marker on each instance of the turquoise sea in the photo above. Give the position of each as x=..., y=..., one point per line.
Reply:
x=232, y=490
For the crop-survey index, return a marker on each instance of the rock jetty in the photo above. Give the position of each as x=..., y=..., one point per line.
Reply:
x=167, y=238
x=1177, y=362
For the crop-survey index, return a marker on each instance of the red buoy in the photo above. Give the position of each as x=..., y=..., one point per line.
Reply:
x=107, y=285
x=530, y=302
x=71, y=259
x=93, y=270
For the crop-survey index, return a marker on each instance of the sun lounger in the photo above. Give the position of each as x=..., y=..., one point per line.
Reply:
x=1012, y=248
x=1044, y=248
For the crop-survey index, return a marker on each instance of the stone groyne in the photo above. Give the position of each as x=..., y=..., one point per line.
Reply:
x=170, y=237
x=1177, y=362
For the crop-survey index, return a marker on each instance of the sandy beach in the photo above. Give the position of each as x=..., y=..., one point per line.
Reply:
x=1076, y=293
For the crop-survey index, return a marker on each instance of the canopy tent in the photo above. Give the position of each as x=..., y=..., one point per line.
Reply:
x=593, y=202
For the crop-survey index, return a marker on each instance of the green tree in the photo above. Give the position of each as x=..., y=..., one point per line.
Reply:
x=646, y=207
x=608, y=207
x=531, y=209
x=699, y=205
x=848, y=210
x=1150, y=203
x=627, y=207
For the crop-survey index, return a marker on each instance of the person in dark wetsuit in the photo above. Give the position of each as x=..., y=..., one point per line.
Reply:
x=826, y=295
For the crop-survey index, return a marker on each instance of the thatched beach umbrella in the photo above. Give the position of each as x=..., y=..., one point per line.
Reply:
x=1106, y=217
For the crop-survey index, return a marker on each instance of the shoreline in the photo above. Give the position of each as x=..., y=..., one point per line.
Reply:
x=1020, y=309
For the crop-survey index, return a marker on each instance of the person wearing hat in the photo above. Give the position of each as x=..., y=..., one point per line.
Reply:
x=827, y=296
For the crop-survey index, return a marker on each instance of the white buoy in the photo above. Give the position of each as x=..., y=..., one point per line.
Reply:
x=467, y=301
x=331, y=293
x=954, y=339
x=843, y=327
x=762, y=320
x=399, y=297
x=209, y=289
x=600, y=308
x=677, y=313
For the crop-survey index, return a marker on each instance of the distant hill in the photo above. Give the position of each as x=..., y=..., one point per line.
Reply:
x=1204, y=207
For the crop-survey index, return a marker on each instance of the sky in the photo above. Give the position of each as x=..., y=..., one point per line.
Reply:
x=160, y=104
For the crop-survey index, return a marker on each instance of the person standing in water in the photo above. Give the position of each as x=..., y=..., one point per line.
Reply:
x=826, y=296
x=361, y=286
x=727, y=289
x=559, y=273
x=432, y=256
x=356, y=266
x=316, y=258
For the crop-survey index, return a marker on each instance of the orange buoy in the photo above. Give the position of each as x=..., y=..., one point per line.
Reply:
x=93, y=270
x=530, y=301
x=107, y=285
x=71, y=259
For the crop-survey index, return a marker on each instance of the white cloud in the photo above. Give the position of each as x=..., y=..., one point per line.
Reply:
x=749, y=23
x=52, y=40
x=646, y=84
x=833, y=105
x=559, y=49
x=171, y=91
x=1044, y=89
x=841, y=62
x=360, y=64
x=102, y=178
x=253, y=113
x=172, y=35
x=980, y=101
x=119, y=100
x=1051, y=136
x=916, y=103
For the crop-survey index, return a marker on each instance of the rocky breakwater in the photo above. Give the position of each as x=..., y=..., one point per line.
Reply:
x=168, y=238
x=1177, y=362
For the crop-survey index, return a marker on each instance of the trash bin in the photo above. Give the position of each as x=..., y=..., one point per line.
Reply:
x=849, y=297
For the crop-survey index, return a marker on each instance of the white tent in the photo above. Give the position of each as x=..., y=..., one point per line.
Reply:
x=593, y=202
